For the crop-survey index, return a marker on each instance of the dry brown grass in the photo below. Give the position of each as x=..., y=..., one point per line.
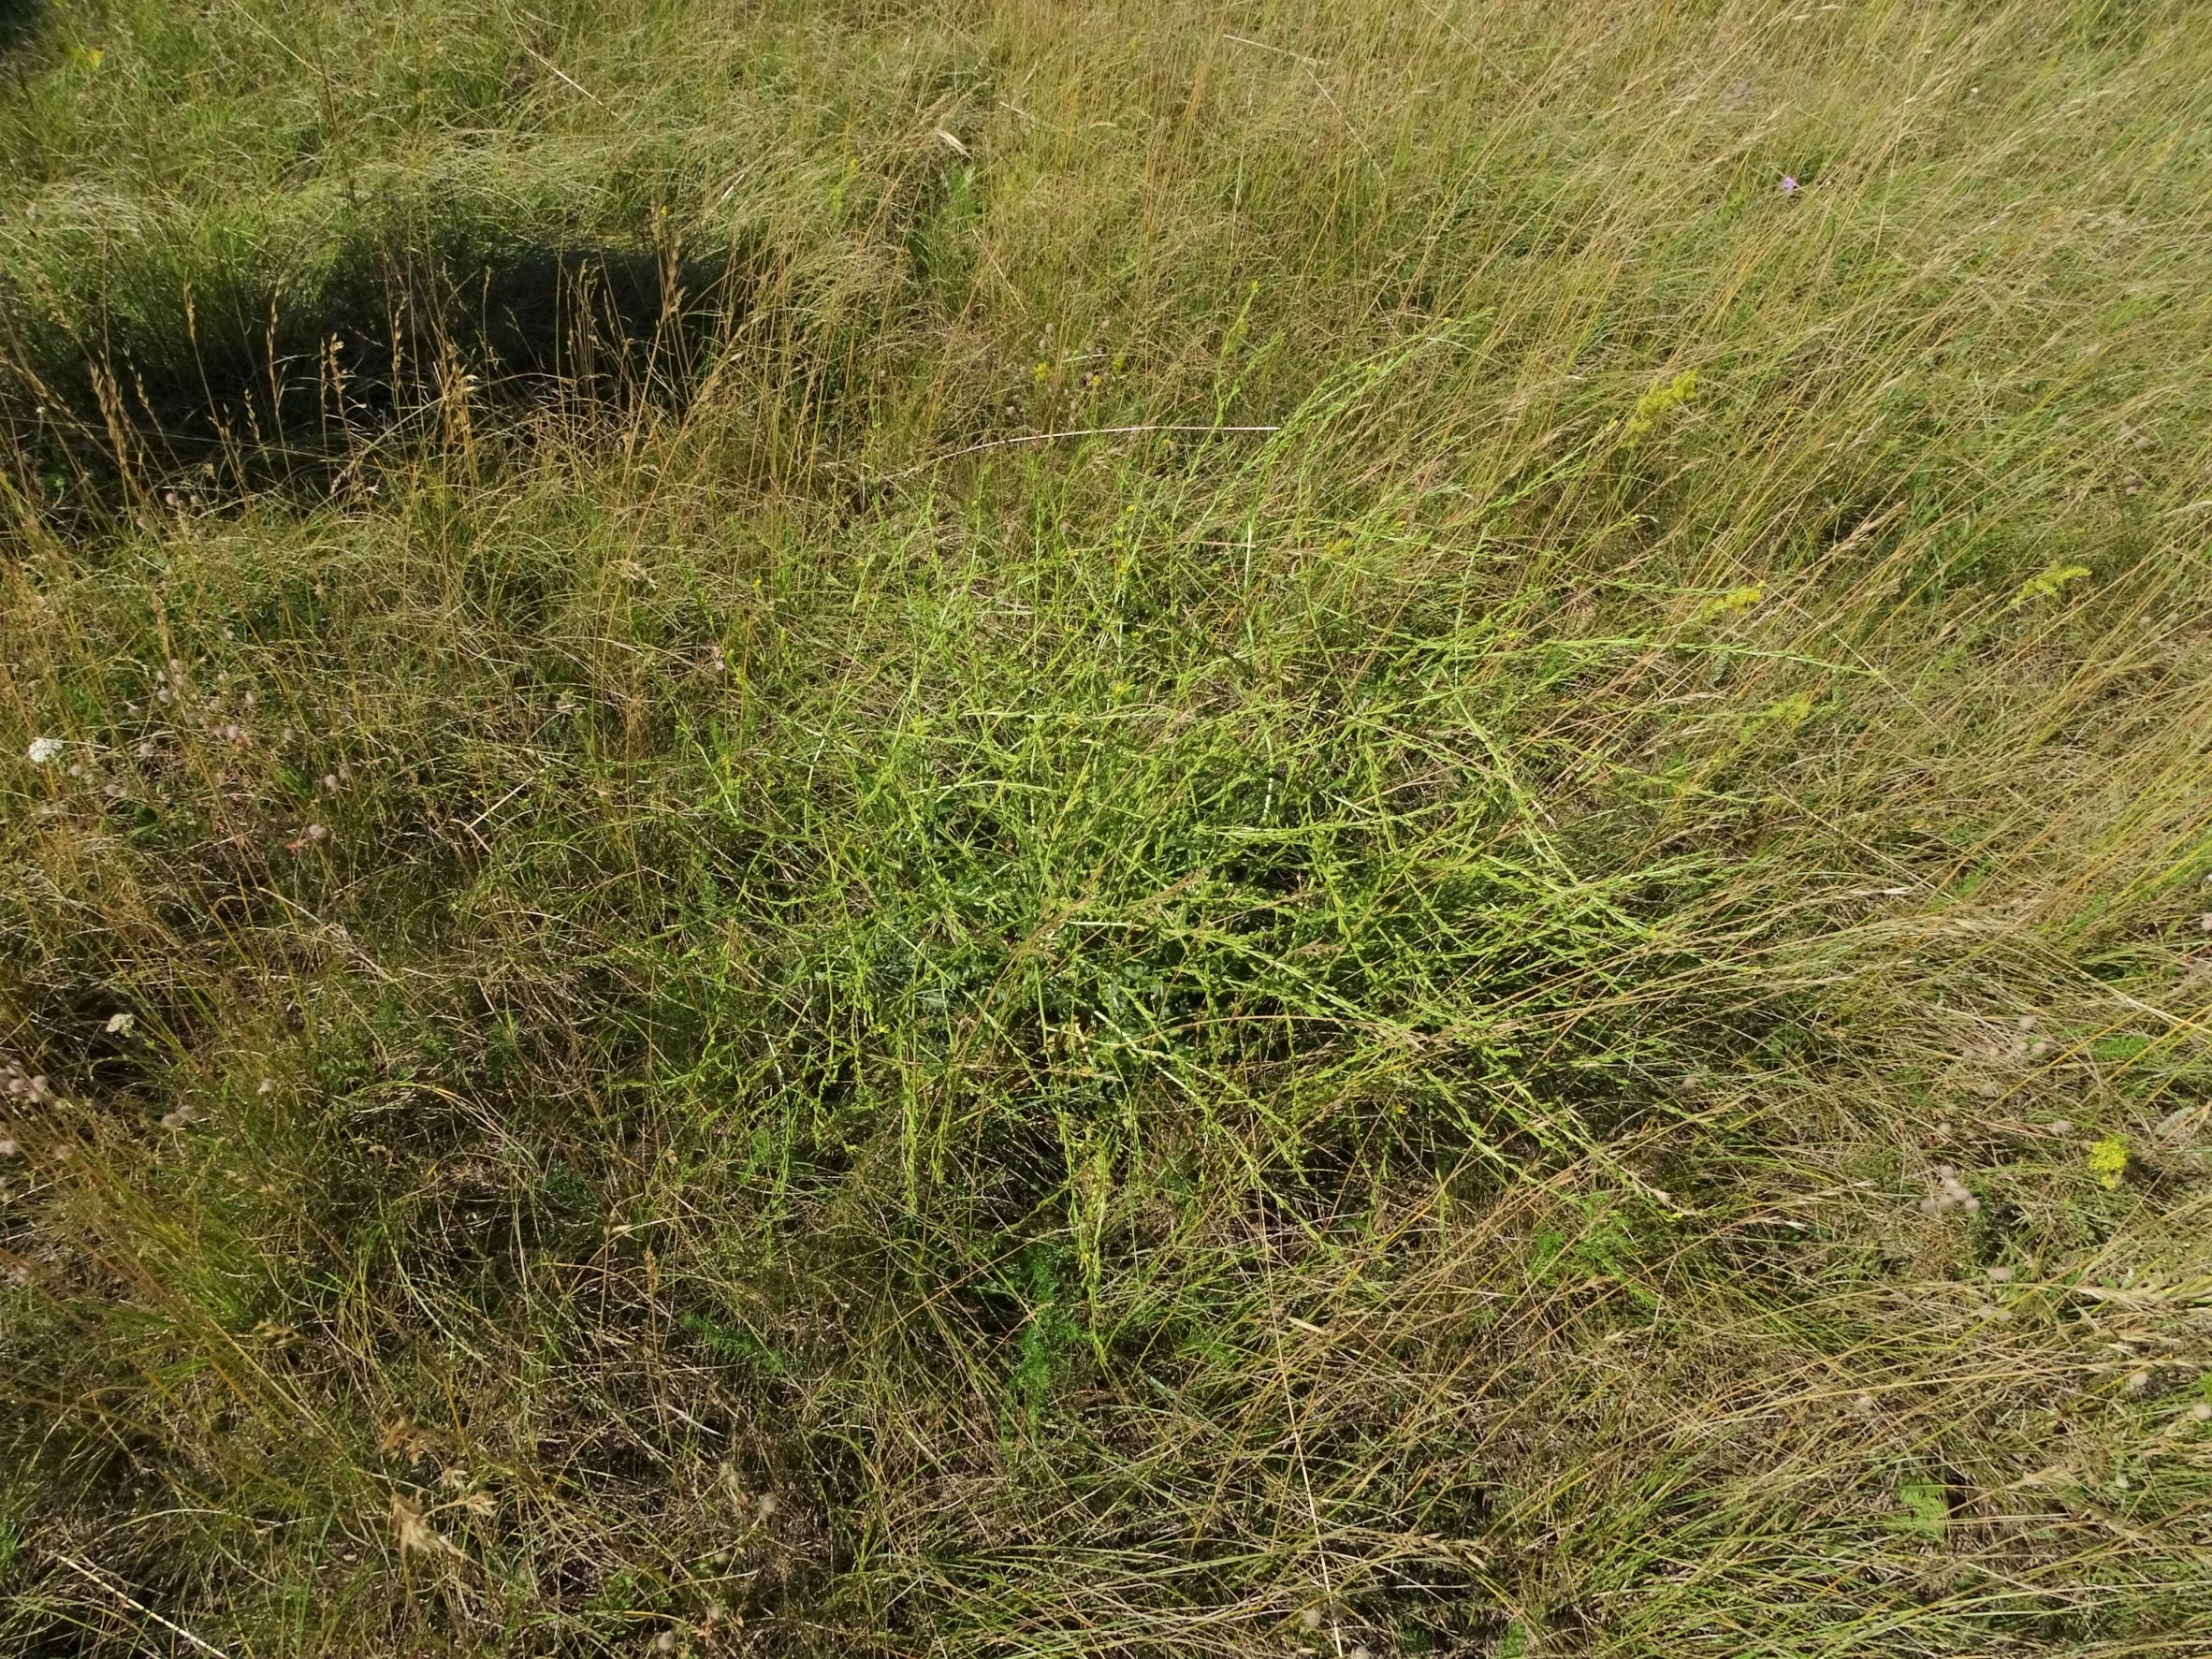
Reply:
x=1429, y=999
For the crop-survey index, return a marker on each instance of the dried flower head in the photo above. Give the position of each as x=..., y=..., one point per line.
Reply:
x=417, y=1536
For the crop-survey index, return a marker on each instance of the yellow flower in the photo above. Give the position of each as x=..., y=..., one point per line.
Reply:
x=1657, y=402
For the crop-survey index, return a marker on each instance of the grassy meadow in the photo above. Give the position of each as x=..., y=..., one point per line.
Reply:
x=1325, y=830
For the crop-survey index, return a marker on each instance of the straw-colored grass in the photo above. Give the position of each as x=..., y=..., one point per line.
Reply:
x=1011, y=830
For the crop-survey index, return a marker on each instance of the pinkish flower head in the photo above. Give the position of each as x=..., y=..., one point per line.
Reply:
x=1789, y=182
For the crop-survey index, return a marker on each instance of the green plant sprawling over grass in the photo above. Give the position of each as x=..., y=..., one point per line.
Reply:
x=994, y=830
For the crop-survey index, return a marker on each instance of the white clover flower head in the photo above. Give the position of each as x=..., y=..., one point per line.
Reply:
x=1950, y=1194
x=44, y=751
x=119, y=1025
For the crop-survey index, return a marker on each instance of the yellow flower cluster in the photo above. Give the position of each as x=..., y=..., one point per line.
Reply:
x=1671, y=394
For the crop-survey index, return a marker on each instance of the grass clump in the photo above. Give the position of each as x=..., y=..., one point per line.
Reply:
x=1156, y=835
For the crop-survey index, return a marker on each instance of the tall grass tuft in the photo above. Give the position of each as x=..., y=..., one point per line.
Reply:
x=1318, y=830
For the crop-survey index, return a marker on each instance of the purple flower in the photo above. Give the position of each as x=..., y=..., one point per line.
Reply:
x=1789, y=182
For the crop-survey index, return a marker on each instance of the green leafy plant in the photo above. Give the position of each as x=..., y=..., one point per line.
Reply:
x=1927, y=1510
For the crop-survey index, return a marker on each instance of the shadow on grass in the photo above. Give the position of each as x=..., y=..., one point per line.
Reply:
x=233, y=380
x=20, y=21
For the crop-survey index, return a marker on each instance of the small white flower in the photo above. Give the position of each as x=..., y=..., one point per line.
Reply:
x=44, y=751
x=119, y=1025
